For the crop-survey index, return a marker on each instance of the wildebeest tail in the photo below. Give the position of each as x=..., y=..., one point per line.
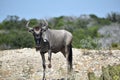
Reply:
x=70, y=56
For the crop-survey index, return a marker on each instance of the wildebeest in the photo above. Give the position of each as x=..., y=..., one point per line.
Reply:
x=49, y=40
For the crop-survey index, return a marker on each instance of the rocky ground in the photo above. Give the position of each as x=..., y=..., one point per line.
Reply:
x=26, y=64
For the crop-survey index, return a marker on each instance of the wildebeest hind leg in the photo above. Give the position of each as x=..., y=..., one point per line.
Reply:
x=68, y=52
x=67, y=59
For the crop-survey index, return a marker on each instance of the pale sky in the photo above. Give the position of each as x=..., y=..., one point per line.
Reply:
x=53, y=8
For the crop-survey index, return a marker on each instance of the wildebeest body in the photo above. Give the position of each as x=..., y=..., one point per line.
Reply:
x=57, y=39
x=52, y=41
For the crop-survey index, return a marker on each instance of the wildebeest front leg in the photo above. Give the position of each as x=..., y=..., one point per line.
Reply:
x=44, y=66
x=49, y=58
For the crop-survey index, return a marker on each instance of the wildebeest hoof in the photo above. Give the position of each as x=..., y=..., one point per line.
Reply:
x=49, y=66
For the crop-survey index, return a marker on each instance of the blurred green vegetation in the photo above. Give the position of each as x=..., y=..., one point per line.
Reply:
x=16, y=39
x=115, y=45
x=13, y=33
x=108, y=73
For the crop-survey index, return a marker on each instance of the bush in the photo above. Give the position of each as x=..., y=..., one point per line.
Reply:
x=115, y=46
x=108, y=73
x=86, y=38
x=93, y=31
x=16, y=39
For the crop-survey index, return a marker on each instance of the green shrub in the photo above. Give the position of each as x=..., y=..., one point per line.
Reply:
x=86, y=38
x=16, y=39
x=115, y=46
x=83, y=36
x=93, y=31
x=108, y=73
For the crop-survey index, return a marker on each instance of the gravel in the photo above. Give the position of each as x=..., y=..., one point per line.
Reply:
x=26, y=64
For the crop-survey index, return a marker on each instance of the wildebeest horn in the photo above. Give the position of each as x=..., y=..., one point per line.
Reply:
x=46, y=23
x=27, y=25
x=45, y=26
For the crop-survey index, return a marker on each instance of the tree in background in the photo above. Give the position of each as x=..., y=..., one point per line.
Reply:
x=114, y=17
x=84, y=29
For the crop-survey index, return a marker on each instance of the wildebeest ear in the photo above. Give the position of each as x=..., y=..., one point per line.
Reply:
x=45, y=28
x=45, y=25
x=31, y=30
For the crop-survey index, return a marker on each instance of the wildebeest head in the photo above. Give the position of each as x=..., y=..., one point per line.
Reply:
x=37, y=31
